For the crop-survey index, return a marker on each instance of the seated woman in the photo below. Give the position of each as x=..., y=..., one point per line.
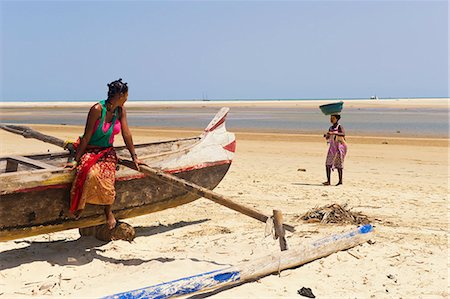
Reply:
x=96, y=158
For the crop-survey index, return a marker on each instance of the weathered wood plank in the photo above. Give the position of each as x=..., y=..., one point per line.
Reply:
x=11, y=166
x=279, y=229
x=31, y=162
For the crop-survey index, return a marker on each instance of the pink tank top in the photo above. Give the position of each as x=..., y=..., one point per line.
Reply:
x=106, y=126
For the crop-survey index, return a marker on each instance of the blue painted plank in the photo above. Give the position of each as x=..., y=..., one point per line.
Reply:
x=183, y=286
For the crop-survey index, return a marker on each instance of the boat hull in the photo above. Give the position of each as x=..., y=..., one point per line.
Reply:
x=45, y=211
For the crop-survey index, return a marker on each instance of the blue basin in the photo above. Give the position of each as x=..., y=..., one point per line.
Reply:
x=333, y=108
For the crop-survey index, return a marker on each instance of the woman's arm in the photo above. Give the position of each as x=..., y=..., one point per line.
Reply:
x=328, y=134
x=93, y=116
x=340, y=131
x=126, y=134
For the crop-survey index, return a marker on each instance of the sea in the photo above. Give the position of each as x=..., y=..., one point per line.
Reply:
x=412, y=122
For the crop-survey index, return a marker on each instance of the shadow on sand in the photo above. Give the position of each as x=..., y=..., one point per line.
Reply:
x=219, y=290
x=81, y=251
x=305, y=184
x=142, y=231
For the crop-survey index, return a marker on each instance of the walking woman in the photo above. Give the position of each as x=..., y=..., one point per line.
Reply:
x=337, y=149
x=96, y=159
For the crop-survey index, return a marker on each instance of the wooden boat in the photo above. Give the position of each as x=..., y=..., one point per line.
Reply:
x=34, y=189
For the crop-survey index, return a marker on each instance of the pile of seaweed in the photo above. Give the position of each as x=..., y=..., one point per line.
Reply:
x=335, y=213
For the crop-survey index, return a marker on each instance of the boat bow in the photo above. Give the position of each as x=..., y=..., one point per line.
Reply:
x=216, y=147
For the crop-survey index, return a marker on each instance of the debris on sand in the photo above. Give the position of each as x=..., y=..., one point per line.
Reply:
x=335, y=213
x=306, y=292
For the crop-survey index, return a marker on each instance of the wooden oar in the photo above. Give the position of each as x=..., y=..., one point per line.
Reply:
x=155, y=173
x=201, y=191
x=28, y=132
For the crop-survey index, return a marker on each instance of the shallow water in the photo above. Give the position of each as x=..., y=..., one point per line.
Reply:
x=425, y=122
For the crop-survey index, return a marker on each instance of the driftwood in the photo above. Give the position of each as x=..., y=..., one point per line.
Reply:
x=335, y=213
x=252, y=270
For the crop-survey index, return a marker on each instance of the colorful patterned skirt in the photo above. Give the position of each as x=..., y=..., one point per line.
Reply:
x=95, y=178
x=336, y=154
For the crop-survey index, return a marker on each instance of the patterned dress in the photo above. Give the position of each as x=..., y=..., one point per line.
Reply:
x=337, y=149
x=94, y=182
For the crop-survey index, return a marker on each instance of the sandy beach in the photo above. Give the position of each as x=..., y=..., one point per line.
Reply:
x=400, y=183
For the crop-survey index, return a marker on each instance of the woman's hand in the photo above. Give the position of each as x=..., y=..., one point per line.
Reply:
x=71, y=165
x=137, y=162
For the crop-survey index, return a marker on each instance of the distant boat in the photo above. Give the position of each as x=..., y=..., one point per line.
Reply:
x=205, y=97
x=374, y=98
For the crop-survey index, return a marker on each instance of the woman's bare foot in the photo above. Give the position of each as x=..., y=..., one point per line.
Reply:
x=326, y=183
x=111, y=220
x=340, y=183
x=77, y=214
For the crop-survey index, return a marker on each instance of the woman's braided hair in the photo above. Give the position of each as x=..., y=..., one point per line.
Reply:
x=116, y=87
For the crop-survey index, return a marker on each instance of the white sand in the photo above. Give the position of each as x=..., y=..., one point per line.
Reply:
x=402, y=185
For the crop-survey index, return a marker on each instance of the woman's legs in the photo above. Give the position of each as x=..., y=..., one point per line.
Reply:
x=340, y=172
x=110, y=219
x=340, y=160
x=328, y=170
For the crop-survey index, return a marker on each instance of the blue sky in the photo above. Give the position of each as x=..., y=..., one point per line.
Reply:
x=166, y=50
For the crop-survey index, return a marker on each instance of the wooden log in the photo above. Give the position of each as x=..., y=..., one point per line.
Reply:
x=122, y=231
x=254, y=269
x=279, y=229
